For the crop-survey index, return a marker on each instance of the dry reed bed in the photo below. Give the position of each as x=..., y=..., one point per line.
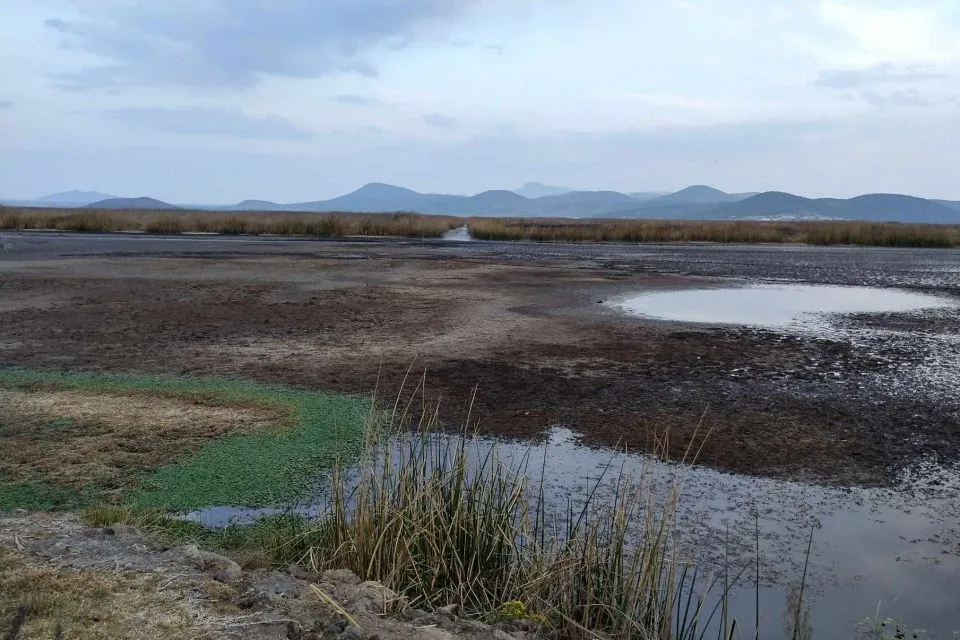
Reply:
x=883, y=234
x=322, y=225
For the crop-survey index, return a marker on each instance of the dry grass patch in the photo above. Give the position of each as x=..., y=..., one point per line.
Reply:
x=74, y=437
x=89, y=604
x=839, y=232
x=319, y=225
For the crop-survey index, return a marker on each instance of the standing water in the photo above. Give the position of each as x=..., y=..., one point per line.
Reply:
x=898, y=551
x=460, y=234
x=774, y=306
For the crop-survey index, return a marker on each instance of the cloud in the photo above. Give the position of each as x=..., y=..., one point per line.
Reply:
x=907, y=31
x=878, y=74
x=209, y=121
x=218, y=43
x=5, y=104
x=361, y=101
x=898, y=98
x=439, y=120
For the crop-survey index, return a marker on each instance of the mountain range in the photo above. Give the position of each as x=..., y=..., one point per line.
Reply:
x=536, y=199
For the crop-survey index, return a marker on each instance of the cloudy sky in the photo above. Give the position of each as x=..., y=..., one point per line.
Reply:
x=292, y=100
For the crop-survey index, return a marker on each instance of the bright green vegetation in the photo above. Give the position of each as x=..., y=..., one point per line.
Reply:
x=184, y=467
x=276, y=540
x=39, y=496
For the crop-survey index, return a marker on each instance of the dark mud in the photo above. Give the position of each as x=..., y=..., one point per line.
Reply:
x=521, y=325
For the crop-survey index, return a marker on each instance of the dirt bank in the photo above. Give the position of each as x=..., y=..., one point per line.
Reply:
x=114, y=582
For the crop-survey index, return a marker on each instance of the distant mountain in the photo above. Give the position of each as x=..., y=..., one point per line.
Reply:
x=694, y=202
x=878, y=207
x=774, y=203
x=539, y=190
x=646, y=195
x=950, y=204
x=74, y=197
x=256, y=205
x=375, y=196
x=495, y=201
x=697, y=194
x=581, y=203
x=131, y=203
x=894, y=206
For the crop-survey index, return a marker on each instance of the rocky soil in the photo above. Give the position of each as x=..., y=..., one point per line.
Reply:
x=163, y=591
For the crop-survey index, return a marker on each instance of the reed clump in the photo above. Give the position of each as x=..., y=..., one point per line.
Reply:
x=443, y=520
x=884, y=234
x=319, y=225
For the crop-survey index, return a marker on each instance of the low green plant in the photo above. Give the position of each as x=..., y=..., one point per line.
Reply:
x=517, y=610
x=279, y=539
x=38, y=496
x=270, y=467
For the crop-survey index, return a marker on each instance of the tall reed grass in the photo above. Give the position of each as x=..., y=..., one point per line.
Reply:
x=320, y=225
x=884, y=234
x=443, y=522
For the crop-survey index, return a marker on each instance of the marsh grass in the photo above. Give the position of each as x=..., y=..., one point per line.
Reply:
x=317, y=225
x=441, y=521
x=884, y=234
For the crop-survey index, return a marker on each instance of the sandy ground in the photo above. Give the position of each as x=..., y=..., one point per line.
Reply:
x=518, y=324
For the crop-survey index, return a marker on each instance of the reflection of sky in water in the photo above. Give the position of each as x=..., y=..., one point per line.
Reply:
x=774, y=306
x=897, y=549
x=461, y=234
x=924, y=358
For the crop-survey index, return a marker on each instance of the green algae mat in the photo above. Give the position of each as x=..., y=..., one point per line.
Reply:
x=71, y=440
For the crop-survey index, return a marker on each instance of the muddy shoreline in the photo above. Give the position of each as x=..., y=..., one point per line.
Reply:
x=521, y=324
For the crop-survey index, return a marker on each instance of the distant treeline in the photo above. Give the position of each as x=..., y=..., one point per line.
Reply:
x=882, y=234
x=321, y=225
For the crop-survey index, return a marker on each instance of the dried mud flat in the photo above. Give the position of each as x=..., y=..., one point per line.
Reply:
x=521, y=324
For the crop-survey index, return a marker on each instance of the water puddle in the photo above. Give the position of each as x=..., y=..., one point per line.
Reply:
x=775, y=306
x=896, y=550
x=460, y=234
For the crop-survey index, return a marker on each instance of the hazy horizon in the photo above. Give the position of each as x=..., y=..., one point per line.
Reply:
x=295, y=101
x=514, y=189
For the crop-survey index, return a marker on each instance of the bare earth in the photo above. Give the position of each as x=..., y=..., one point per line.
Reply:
x=114, y=583
x=520, y=324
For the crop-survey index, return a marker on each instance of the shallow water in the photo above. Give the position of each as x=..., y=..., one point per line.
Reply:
x=460, y=234
x=773, y=305
x=899, y=550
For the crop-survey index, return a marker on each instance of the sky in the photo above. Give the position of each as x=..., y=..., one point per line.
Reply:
x=216, y=101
